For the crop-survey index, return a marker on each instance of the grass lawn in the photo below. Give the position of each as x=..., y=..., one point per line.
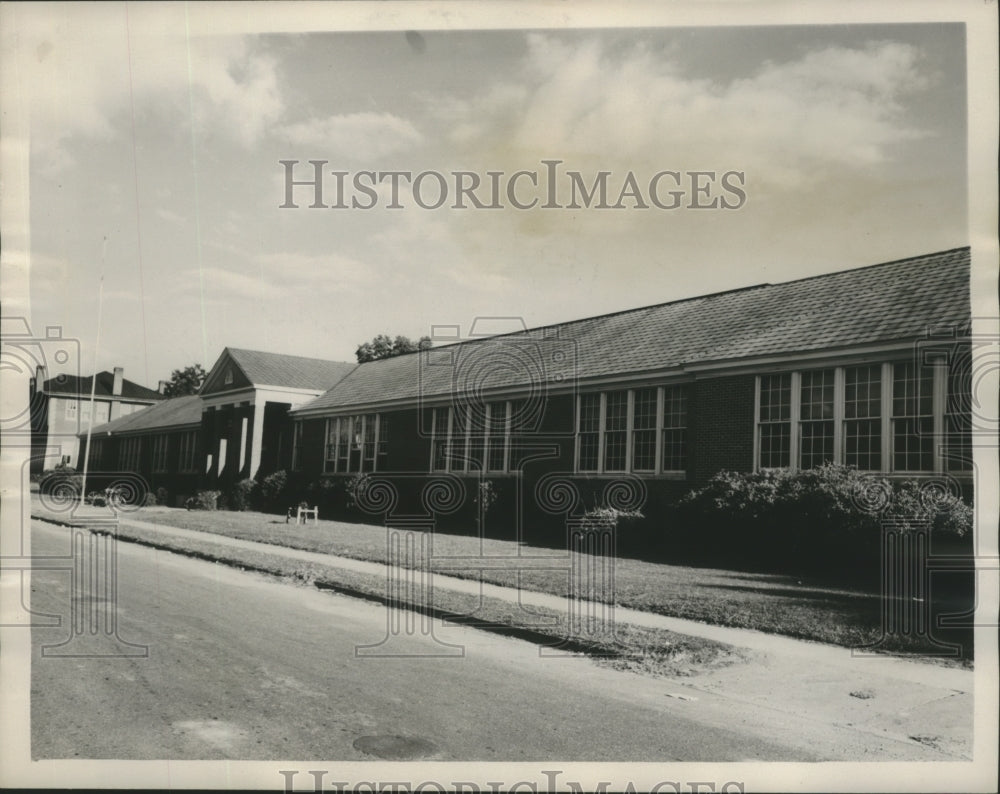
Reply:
x=766, y=602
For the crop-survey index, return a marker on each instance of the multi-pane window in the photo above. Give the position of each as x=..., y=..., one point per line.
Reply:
x=644, y=430
x=674, y=428
x=369, y=429
x=589, y=429
x=439, y=441
x=382, y=441
x=128, y=453
x=639, y=430
x=356, y=443
x=475, y=438
x=496, y=436
x=958, y=415
x=615, y=430
x=332, y=435
x=345, y=425
x=188, y=448
x=297, y=430
x=160, y=447
x=775, y=428
x=816, y=418
x=863, y=417
x=96, y=456
x=889, y=417
x=912, y=417
x=477, y=434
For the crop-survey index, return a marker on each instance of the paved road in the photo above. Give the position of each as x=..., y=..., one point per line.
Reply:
x=241, y=666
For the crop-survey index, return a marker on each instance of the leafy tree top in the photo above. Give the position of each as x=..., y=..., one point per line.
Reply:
x=185, y=381
x=384, y=346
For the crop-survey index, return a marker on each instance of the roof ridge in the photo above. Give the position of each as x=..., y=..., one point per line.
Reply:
x=287, y=355
x=676, y=301
x=877, y=264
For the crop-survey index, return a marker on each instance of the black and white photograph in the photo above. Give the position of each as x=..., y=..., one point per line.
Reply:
x=442, y=396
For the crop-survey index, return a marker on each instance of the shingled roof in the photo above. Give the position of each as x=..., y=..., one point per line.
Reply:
x=172, y=413
x=296, y=372
x=876, y=304
x=74, y=384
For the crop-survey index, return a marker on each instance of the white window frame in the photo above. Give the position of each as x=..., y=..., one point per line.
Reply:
x=463, y=440
x=348, y=422
x=630, y=430
x=887, y=419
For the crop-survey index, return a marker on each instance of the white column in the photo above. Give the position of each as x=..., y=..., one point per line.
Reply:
x=258, y=432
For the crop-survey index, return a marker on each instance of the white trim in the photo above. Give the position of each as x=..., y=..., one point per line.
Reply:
x=886, y=423
x=630, y=430
x=794, y=418
x=576, y=435
x=658, y=430
x=629, y=425
x=886, y=419
x=756, y=423
x=601, y=429
x=939, y=403
x=839, y=402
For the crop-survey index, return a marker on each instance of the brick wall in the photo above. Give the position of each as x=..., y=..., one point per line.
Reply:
x=721, y=426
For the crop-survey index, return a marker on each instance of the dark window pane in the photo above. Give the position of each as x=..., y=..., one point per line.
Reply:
x=775, y=397
x=863, y=444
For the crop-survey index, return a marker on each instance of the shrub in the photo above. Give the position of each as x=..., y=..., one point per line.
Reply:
x=241, y=493
x=486, y=496
x=150, y=500
x=96, y=499
x=272, y=488
x=832, y=513
x=162, y=496
x=608, y=518
x=354, y=488
x=62, y=480
x=203, y=500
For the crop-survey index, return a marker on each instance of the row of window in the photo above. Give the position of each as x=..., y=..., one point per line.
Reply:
x=887, y=417
x=479, y=437
x=101, y=410
x=637, y=430
x=877, y=417
x=130, y=450
x=353, y=443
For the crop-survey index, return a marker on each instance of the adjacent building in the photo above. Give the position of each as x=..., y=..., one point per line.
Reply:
x=61, y=408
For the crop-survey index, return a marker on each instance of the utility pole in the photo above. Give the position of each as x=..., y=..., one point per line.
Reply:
x=93, y=377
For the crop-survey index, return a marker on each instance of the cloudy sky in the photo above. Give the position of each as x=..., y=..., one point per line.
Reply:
x=167, y=141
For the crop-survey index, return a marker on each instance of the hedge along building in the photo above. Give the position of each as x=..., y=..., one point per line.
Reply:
x=866, y=367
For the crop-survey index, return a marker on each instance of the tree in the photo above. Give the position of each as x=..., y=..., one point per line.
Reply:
x=384, y=346
x=185, y=381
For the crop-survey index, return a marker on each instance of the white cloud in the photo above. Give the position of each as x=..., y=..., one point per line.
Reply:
x=829, y=109
x=88, y=69
x=363, y=135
